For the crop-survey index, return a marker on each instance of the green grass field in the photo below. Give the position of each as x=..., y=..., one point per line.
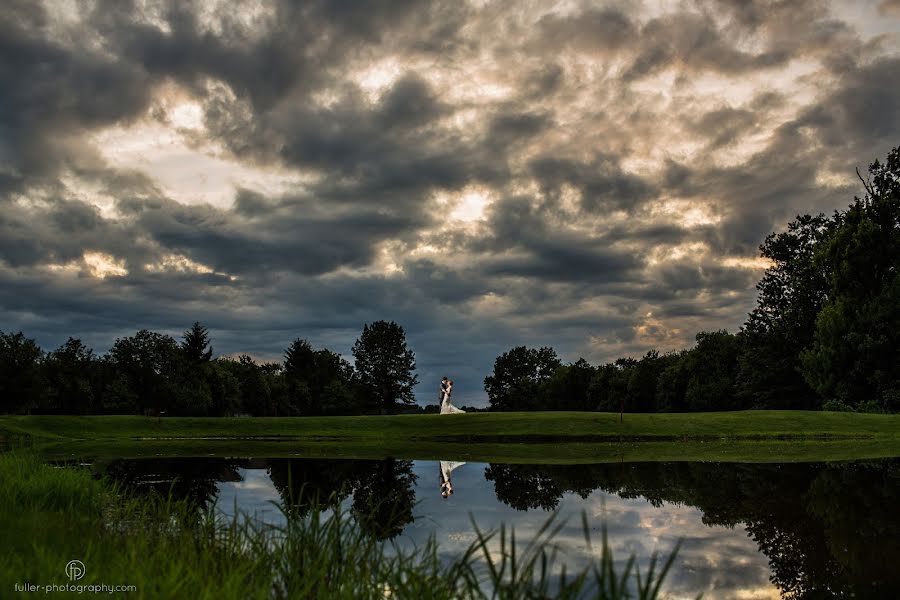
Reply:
x=477, y=427
x=512, y=437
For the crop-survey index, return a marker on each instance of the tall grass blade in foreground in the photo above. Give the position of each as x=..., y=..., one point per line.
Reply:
x=508, y=573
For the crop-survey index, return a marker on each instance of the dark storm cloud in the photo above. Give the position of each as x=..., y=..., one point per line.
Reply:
x=757, y=196
x=291, y=236
x=544, y=81
x=394, y=152
x=861, y=112
x=793, y=29
x=302, y=41
x=507, y=128
x=602, y=182
x=352, y=139
x=410, y=103
x=60, y=233
x=856, y=120
x=687, y=278
x=890, y=7
x=650, y=233
x=48, y=92
x=724, y=125
x=697, y=42
x=585, y=134
x=592, y=30
x=445, y=285
x=564, y=258
x=693, y=41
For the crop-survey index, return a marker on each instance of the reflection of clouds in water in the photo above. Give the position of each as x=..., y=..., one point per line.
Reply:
x=465, y=537
x=254, y=496
x=259, y=483
x=720, y=562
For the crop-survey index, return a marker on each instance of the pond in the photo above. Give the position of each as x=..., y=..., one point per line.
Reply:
x=794, y=530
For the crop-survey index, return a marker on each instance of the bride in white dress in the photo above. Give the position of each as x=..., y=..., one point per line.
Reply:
x=446, y=390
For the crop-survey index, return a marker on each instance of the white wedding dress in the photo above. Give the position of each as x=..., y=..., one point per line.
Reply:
x=447, y=408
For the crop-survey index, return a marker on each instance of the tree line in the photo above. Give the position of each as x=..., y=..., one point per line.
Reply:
x=153, y=373
x=825, y=332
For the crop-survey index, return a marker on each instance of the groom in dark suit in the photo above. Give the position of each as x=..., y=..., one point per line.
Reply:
x=445, y=386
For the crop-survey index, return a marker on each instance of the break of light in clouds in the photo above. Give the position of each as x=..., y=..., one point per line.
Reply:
x=592, y=176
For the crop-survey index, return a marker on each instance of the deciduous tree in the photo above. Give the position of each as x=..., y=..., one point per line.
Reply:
x=385, y=366
x=517, y=378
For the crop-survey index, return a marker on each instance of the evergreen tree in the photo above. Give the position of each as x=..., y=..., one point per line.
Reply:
x=299, y=360
x=299, y=369
x=196, y=344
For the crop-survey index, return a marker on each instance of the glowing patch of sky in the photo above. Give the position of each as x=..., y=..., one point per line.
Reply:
x=104, y=265
x=375, y=79
x=188, y=173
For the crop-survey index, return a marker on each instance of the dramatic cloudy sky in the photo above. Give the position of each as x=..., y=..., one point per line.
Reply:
x=592, y=176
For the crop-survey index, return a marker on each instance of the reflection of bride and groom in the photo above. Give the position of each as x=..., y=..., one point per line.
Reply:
x=446, y=470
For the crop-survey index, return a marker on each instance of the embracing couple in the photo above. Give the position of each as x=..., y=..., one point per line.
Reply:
x=446, y=390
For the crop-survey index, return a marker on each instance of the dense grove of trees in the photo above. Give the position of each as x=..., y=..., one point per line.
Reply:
x=825, y=332
x=153, y=373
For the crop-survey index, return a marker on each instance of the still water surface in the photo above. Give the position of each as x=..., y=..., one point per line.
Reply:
x=813, y=530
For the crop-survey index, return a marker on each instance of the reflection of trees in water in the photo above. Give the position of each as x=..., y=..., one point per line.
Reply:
x=534, y=486
x=383, y=494
x=302, y=483
x=193, y=479
x=857, y=506
x=383, y=500
x=828, y=530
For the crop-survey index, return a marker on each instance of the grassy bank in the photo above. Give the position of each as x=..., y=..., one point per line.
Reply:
x=50, y=516
x=529, y=453
x=478, y=427
x=550, y=437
